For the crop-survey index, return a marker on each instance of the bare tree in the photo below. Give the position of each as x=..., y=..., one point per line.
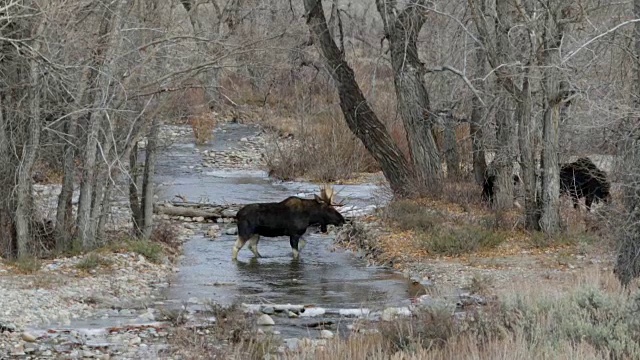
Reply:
x=401, y=30
x=362, y=121
x=627, y=265
x=478, y=117
x=63, y=213
x=24, y=202
x=497, y=51
x=113, y=20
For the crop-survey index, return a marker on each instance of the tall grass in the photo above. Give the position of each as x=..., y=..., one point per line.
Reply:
x=590, y=320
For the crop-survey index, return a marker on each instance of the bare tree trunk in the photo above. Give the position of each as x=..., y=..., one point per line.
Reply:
x=85, y=230
x=148, y=182
x=413, y=99
x=7, y=223
x=627, y=265
x=526, y=136
x=62, y=229
x=134, y=200
x=332, y=24
x=104, y=213
x=24, y=191
x=502, y=164
x=359, y=116
x=210, y=77
x=478, y=118
x=451, y=154
x=554, y=98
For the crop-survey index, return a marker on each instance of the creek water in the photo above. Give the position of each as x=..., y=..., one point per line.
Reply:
x=335, y=280
x=323, y=276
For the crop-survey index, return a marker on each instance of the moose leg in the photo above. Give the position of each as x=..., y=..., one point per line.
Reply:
x=253, y=245
x=237, y=246
x=588, y=201
x=576, y=200
x=301, y=243
x=293, y=241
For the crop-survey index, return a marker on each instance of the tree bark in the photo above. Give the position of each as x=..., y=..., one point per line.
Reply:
x=148, y=182
x=24, y=191
x=478, y=116
x=360, y=118
x=7, y=224
x=627, y=265
x=211, y=77
x=63, y=212
x=526, y=135
x=86, y=233
x=554, y=99
x=451, y=154
x=413, y=99
x=502, y=165
x=134, y=199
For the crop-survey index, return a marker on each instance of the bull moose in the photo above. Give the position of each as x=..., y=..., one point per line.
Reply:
x=582, y=178
x=291, y=217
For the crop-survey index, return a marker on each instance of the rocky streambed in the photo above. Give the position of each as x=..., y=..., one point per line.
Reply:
x=124, y=309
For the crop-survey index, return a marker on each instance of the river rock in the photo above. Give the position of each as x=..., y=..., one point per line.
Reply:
x=213, y=232
x=7, y=326
x=265, y=320
x=390, y=313
x=232, y=230
x=229, y=213
x=326, y=334
x=28, y=337
x=269, y=310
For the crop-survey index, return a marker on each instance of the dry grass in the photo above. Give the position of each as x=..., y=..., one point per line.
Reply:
x=92, y=261
x=325, y=152
x=26, y=265
x=438, y=234
x=591, y=319
x=202, y=125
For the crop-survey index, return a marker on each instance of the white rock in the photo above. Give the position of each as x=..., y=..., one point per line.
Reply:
x=389, y=313
x=28, y=337
x=326, y=334
x=265, y=320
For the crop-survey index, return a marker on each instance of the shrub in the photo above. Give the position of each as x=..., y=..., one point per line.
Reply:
x=165, y=233
x=202, y=126
x=409, y=215
x=542, y=240
x=326, y=152
x=92, y=261
x=27, y=264
x=458, y=240
x=150, y=250
x=431, y=327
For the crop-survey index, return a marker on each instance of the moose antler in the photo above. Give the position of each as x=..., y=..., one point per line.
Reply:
x=327, y=194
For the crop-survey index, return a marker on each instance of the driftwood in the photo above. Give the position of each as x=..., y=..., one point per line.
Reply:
x=208, y=211
x=197, y=210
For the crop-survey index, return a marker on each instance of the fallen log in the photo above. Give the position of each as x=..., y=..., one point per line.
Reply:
x=197, y=210
x=214, y=212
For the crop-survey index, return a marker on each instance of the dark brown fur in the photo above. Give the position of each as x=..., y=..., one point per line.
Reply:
x=290, y=217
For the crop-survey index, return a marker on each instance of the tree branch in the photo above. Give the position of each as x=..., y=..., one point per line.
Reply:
x=466, y=80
